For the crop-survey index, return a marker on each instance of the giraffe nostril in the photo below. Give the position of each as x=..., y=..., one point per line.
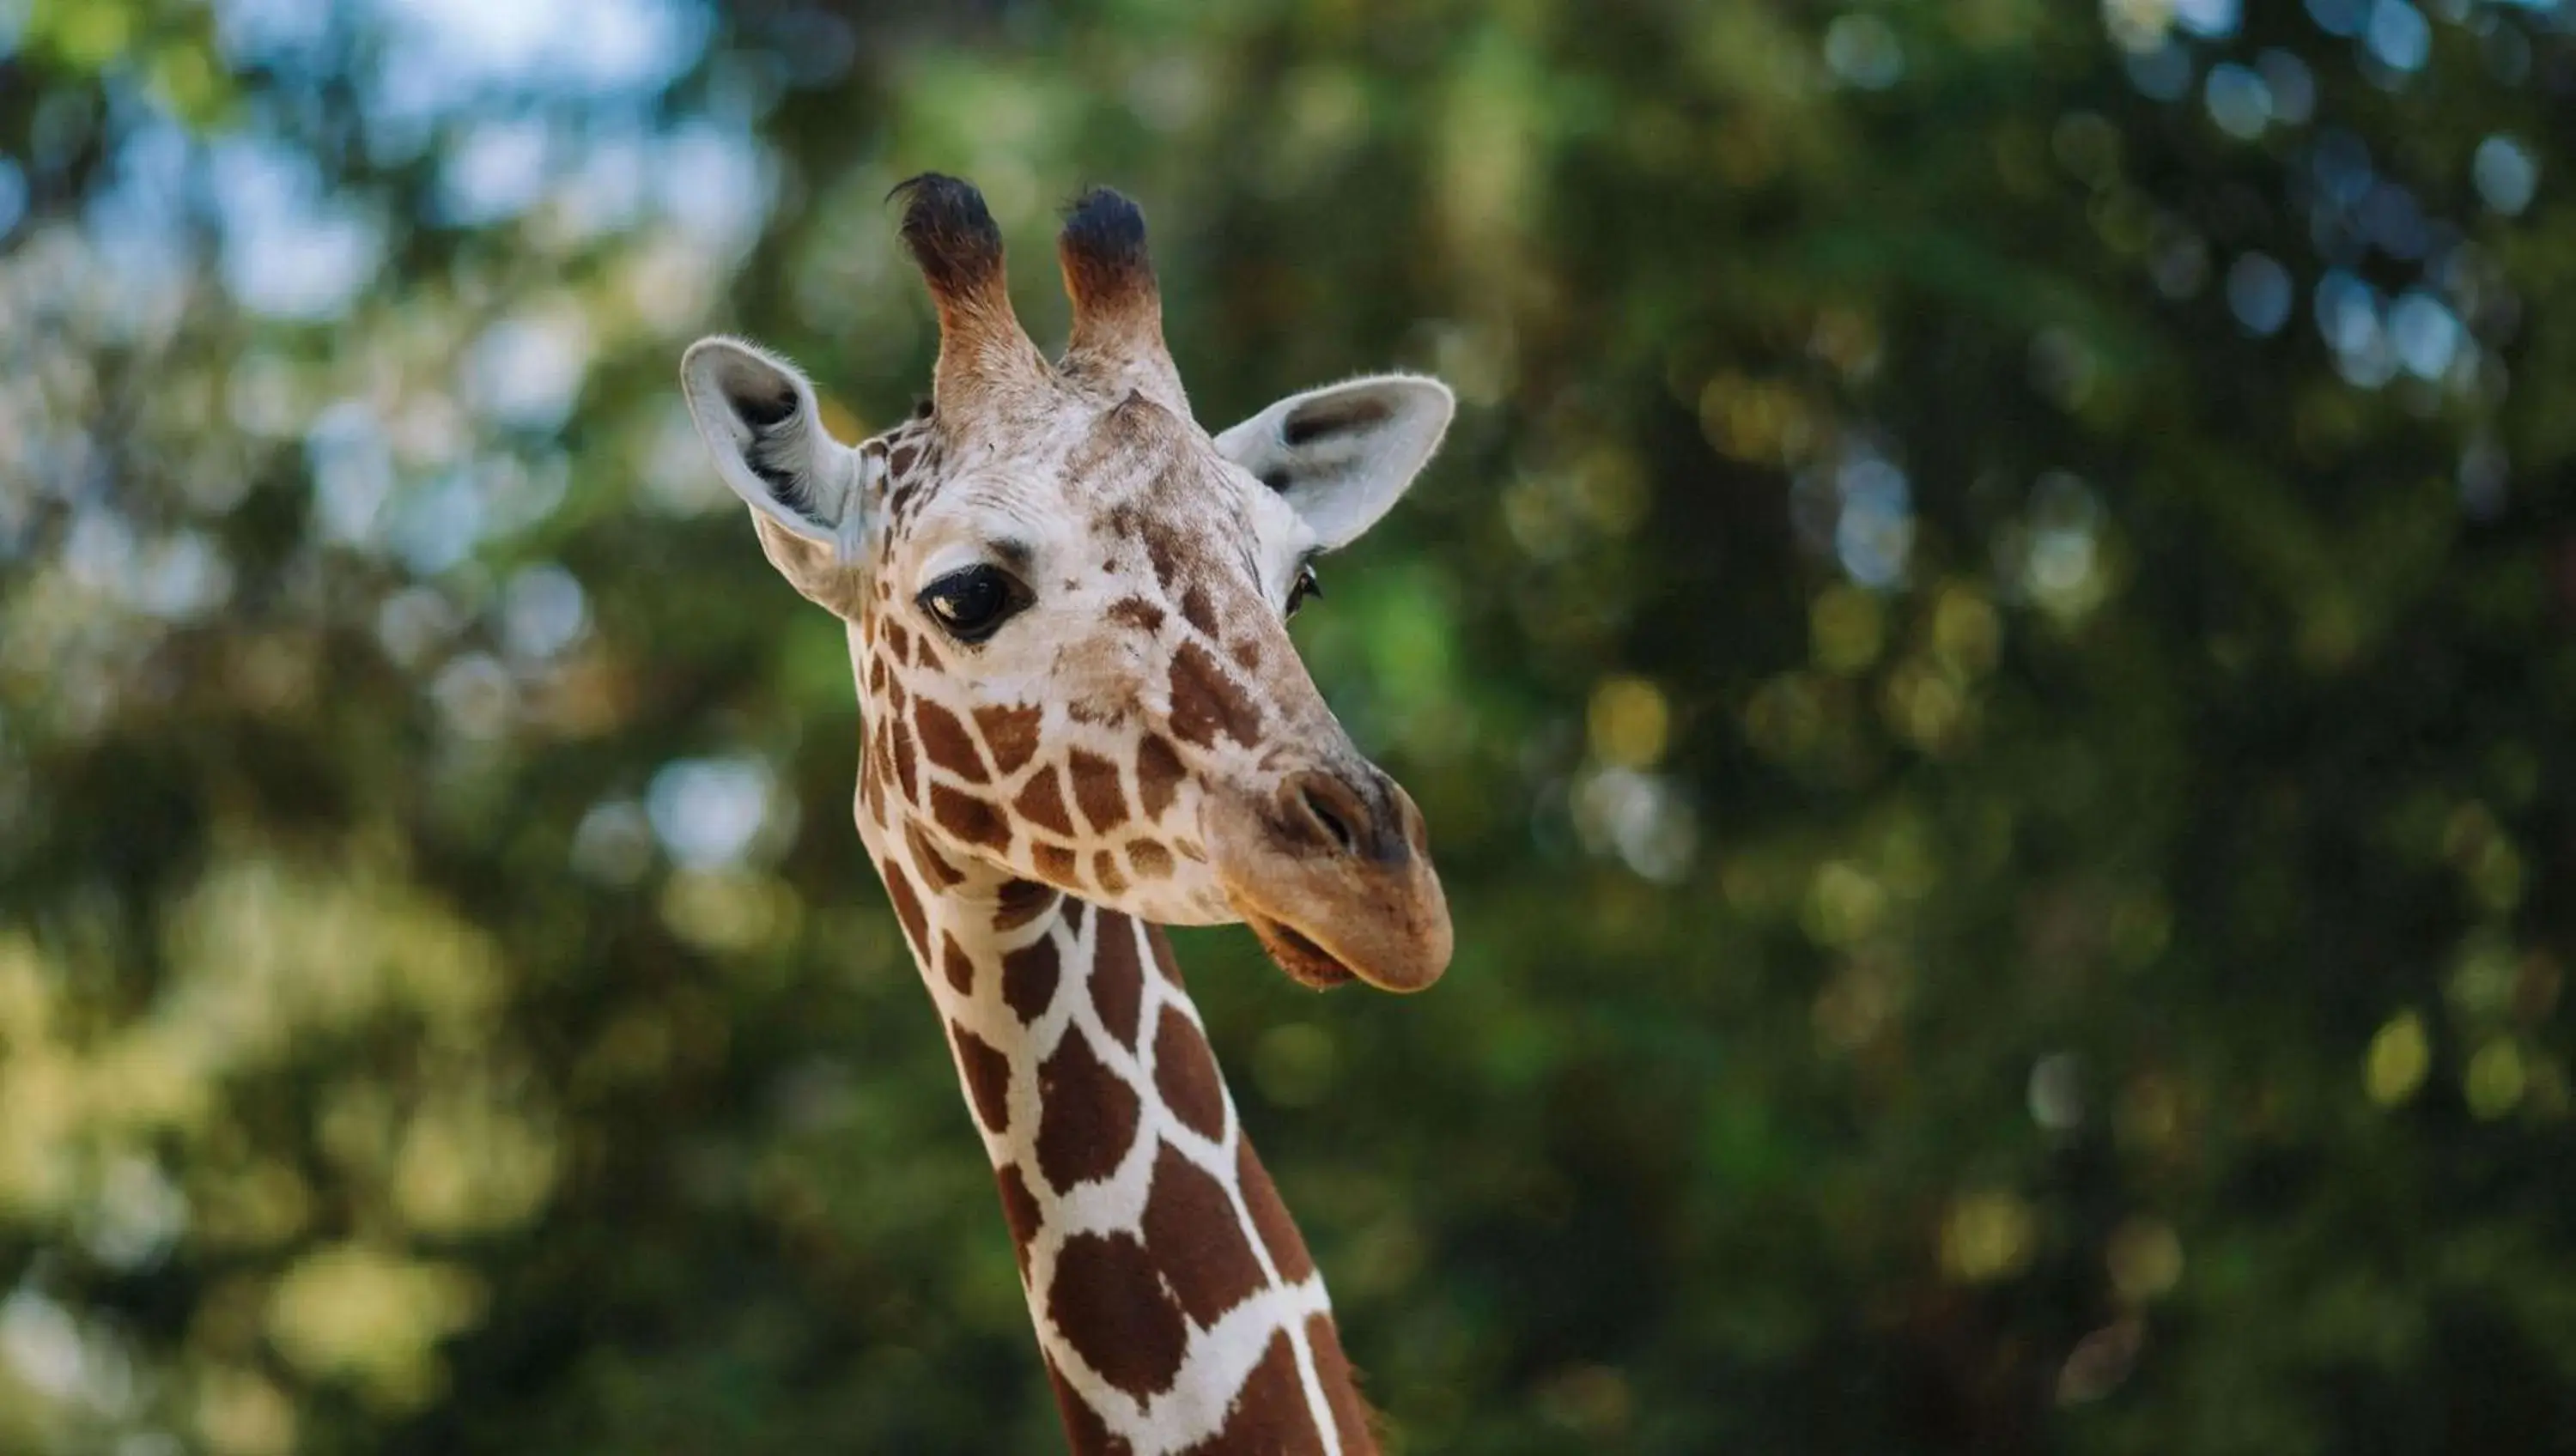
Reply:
x=1354, y=818
x=1333, y=824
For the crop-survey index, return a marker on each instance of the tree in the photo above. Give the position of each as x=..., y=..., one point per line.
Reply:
x=1988, y=663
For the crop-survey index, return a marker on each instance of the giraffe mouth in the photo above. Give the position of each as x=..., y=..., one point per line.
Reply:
x=1332, y=897
x=1306, y=963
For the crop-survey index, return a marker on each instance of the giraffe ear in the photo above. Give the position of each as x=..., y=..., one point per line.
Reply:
x=760, y=420
x=1341, y=455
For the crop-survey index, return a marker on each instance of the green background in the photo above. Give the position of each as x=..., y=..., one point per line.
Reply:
x=1990, y=659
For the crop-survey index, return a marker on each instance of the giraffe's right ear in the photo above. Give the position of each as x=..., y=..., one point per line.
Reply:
x=759, y=418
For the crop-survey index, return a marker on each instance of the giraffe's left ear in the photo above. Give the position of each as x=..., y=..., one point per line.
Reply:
x=1341, y=455
x=760, y=420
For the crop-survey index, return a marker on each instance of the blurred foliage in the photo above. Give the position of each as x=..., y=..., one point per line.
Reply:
x=1990, y=660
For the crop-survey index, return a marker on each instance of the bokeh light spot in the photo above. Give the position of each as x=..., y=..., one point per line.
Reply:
x=1988, y=1235
x=2398, y=34
x=1847, y=627
x=2496, y=1077
x=2400, y=1055
x=707, y=810
x=2144, y=1259
x=2056, y=1093
x=1630, y=722
x=2239, y=100
x=2505, y=173
x=1864, y=51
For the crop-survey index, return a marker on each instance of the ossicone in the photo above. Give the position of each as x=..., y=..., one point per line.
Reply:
x=986, y=362
x=1117, y=339
x=1103, y=252
x=949, y=232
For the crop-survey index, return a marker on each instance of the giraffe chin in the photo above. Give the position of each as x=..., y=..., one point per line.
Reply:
x=1324, y=960
x=1306, y=963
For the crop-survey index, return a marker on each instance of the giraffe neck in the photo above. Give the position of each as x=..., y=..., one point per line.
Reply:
x=1174, y=1300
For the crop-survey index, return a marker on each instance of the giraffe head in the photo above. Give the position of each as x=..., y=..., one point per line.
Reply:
x=1068, y=607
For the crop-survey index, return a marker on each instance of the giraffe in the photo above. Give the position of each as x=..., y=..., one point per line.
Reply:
x=1066, y=607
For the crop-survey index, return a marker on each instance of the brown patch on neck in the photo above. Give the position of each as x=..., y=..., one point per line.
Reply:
x=1269, y=1413
x=1111, y=1304
x=1029, y=978
x=1191, y=1223
x=1086, y=1115
x=1278, y=1230
x=1083, y=1430
x=1352, y=1419
x=1020, y=901
x=1117, y=977
x=956, y=965
x=1164, y=960
x=1019, y=1210
x=907, y=907
x=1186, y=1077
x=988, y=1078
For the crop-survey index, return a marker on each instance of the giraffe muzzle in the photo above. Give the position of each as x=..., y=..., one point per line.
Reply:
x=1332, y=871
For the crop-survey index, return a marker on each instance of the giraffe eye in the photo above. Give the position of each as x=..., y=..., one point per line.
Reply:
x=1303, y=587
x=973, y=602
